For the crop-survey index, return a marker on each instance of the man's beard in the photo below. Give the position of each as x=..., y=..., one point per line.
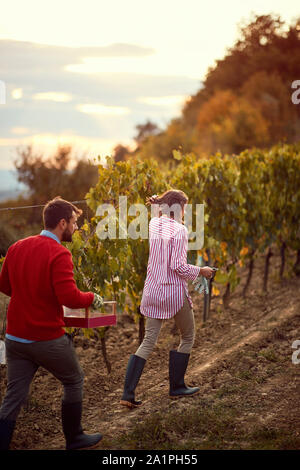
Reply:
x=67, y=236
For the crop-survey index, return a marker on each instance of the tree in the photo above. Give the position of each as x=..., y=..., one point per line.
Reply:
x=144, y=131
x=268, y=93
x=52, y=176
x=120, y=152
x=49, y=177
x=230, y=123
x=44, y=177
x=260, y=67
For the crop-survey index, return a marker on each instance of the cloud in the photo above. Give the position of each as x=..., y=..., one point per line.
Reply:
x=177, y=100
x=17, y=93
x=103, y=110
x=20, y=130
x=53, y=96
x=36, y=68
x=27, y=55
x=47, y=143
x=43, y=97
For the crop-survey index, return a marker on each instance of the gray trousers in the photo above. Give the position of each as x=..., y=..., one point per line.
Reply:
x=184, y=320
x=58, y=356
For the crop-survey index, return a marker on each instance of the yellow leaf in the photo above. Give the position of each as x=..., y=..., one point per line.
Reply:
x=205, y=257
x=177, y=155
x=223, y=246
x=244, y=251
x=215, y=291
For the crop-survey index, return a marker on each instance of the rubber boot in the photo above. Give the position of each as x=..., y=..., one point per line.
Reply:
x=178, y=363
x=134, y=371
x=71, y=423
x=6, y=431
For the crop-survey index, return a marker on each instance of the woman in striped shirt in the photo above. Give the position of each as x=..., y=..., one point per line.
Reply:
x=166, y=295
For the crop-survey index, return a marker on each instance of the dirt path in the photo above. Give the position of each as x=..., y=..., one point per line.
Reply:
x=236, y=347
x=156, y=392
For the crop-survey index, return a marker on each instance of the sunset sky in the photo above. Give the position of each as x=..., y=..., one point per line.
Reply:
x=87, y=73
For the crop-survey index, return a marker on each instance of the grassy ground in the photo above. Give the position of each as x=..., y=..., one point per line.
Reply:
x=241, y=360
x=254, y=408
x=249, y=386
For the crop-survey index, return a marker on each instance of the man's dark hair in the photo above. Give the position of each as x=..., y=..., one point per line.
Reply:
x=58, y=209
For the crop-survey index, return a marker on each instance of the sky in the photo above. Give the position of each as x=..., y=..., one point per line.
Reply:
x=86, y=73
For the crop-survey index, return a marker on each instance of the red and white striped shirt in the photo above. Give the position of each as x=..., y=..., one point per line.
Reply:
x=167, y=270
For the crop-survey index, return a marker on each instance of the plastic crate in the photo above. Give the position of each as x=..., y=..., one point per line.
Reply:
x=85, y=318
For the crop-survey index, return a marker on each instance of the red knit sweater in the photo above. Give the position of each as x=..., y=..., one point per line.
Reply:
x=38, y=276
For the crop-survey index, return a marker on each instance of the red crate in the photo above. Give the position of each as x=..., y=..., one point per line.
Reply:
x=84, y=318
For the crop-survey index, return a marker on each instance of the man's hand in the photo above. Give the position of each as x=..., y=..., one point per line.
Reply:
x=97, y=302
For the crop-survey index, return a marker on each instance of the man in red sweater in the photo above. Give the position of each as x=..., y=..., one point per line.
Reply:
x=37, y=274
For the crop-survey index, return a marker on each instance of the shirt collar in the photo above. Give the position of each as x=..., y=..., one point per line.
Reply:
x=46, y=233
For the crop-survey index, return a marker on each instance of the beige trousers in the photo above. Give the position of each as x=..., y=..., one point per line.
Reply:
x=184, y=320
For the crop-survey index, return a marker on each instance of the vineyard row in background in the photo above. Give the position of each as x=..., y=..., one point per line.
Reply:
x=251, y=203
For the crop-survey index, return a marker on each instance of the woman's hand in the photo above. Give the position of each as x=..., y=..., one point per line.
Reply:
x=207, y=272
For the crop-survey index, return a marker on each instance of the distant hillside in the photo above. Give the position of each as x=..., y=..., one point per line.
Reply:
x=10, y=188
x=10, y=194
x=244, y=100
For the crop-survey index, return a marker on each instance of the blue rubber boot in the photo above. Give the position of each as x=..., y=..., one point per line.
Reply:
x=134, y=371
x=178, y=363
x=6, y=431
x=71, y=422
